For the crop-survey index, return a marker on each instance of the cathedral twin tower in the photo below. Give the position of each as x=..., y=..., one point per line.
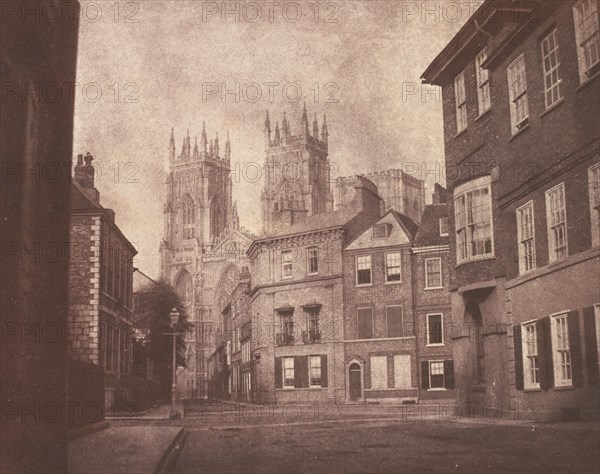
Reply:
x=296, y=174
x=296, y=183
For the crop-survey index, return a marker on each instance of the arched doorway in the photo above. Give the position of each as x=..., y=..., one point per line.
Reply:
x=355, y=382
x=474, y=320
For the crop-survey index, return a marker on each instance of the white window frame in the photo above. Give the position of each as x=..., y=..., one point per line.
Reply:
x=594, y=195
x=462, y=224
x=444, y=234
x=387, y=281
x=309, y=250
x=435, y=344
x=551, y=64
x=441, y=285
x=286, y=263
x=370, y=270
x=553, y=226
x=561, y=352
x=431, y=387
x=590, y=37
x=531, y=355
x=526, y=237
x=283, y=372
x=310, y=369
x=517, y=88
x=460, y=99
x=484, y=101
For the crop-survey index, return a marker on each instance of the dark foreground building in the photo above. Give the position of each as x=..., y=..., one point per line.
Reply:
x=520, y=82
x=36, y=136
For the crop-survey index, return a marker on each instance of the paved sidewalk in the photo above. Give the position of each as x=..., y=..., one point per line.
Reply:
x=157, y=413
x=126, y=450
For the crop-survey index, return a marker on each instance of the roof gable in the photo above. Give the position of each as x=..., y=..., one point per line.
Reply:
x=429, y=231
x=398, y=235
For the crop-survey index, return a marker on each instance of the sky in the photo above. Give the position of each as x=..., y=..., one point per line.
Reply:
x=145, y=67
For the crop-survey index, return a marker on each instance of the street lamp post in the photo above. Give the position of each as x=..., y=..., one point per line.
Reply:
x=175, y=411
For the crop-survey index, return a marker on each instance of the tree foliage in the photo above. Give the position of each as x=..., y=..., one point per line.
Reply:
x=152, y=318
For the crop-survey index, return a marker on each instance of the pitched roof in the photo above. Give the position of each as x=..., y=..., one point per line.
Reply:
x=429, y=231
x=324, y=220
x=410, y=225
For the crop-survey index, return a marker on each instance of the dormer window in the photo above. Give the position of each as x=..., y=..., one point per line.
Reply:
x=381, y=231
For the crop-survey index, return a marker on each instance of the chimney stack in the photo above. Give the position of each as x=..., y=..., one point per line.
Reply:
x=84, y=176
x=440, y=195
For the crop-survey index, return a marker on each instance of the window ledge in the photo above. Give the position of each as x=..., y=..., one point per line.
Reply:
x=312, y=274
x=393, y=282
x=483, y=114
x=441, y=389
x=564, y=387
x=364, y=285
x=298, y=388
x=458, y=134
x=433, y=288
x=435, y=345
x=475, y=259
x=532, y=389
x=519, y=132
x=588, y=81
x=552, y=107
x=377, y=339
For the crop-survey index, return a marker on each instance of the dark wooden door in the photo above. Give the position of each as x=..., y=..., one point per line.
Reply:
x=355, y=382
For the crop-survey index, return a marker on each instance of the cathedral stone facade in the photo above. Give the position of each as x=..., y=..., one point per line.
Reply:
x=297, y=174
x=203, y=249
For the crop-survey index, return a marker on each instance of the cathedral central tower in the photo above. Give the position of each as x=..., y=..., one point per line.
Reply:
x=297, y=173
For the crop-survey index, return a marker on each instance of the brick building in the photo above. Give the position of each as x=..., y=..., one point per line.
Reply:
x=37, y=141
x=431, y=299
x=100, y=287
x=378, y=323
x=240, y=377
x=521, y=136
x=398, y=190
x=297, y=318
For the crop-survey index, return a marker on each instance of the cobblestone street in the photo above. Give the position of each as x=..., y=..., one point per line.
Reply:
x=392, y=446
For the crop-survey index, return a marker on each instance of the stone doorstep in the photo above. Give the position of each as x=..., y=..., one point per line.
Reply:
x=87, y=429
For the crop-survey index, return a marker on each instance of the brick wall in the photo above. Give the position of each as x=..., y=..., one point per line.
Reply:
x=84, y=281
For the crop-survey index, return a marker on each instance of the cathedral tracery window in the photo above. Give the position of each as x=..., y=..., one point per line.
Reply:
x=188, y=217
x=184, y=288
x=217, y=218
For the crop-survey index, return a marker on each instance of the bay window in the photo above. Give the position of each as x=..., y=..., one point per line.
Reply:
x=473, y=217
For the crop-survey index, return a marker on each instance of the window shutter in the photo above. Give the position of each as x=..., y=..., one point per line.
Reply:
x=300, y=372
x=425, y=374
x=575, y=348
x=278, y=373
x=545, y=353
x=519, y=384
x=449, y=374
x=323, y=371
x=591, y=345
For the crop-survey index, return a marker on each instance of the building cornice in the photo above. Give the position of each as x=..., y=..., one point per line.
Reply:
x=304, y=282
